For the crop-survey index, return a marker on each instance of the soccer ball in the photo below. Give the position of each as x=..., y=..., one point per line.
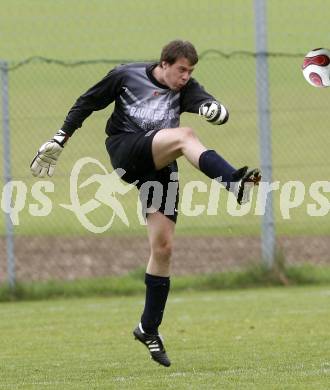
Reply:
x=316, y=68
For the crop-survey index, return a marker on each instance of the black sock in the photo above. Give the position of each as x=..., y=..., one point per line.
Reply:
x=214, y=166
x=157, y=288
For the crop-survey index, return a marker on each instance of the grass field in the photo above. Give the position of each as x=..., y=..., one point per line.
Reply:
x=273, y=338
x=258, y=338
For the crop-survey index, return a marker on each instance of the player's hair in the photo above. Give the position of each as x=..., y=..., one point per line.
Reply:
x=177, y=49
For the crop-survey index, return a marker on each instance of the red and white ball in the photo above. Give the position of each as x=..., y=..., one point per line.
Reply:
x=316, y=68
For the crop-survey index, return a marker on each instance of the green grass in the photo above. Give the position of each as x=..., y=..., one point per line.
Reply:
x=108, y=28
x=261, y=339
x=132, y=283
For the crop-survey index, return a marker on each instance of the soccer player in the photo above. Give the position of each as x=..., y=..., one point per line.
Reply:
x=144, y=138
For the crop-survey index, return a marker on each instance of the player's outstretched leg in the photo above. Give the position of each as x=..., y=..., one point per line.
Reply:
x=239, y=181
x=155, y=345
x=169, y=144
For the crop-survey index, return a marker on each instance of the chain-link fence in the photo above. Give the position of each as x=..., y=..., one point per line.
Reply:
x=50, y=240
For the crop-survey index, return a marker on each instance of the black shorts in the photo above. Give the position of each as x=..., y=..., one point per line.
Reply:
x=159, y=189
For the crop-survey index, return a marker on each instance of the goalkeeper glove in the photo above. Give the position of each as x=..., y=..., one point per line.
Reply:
x=48, y=154
x=214, y=112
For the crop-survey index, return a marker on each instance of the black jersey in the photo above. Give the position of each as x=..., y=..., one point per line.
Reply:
x=141, y=102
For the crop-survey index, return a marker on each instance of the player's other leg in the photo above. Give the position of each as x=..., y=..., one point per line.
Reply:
x=160, y=233
x=169, y=144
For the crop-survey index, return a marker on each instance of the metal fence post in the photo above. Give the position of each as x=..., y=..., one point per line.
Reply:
x=9, y=229
x=262, y=87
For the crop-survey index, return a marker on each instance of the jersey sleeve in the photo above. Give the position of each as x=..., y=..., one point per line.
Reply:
x=192, y=96
x=96, y=98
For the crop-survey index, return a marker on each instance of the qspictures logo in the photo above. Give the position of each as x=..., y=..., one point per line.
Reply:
x=109, y=184
x=111, y=191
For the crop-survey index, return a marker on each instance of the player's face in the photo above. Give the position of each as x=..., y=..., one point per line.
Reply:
x=178, y=74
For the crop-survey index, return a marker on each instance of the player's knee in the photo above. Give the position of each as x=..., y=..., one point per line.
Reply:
x=187, y=133
x=162, y=251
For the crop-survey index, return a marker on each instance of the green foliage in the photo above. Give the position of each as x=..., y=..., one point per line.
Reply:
x=132, y=283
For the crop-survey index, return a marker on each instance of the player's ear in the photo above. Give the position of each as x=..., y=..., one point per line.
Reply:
x=164, y=64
